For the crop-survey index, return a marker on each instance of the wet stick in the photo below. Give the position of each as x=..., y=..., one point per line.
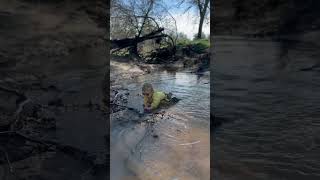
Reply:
x=187, y=144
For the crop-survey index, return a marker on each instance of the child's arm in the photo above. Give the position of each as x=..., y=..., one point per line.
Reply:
x=145, y=101
x=146, y=104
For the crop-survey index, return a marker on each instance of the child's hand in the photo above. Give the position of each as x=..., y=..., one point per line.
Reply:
x=147, y=109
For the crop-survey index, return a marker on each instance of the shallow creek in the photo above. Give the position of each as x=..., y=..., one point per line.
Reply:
x=171, y=144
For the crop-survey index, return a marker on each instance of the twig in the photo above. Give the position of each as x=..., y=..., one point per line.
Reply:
x=129, y=108
x=85, y=173
x=46, y=143
x=174, y=138
x=7, y=132
x=7, y=158
x=186, y=144
x=19, y=110
x=11, y=91
x=34, y=140
x=115, y=97
x=168, y=135
x=77, y=153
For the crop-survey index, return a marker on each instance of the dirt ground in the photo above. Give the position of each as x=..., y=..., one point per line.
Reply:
x=53, y=65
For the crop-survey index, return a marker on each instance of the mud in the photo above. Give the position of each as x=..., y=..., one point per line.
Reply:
x=53, y=64
x=171, y=143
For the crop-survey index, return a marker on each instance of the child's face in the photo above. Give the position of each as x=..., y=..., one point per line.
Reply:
x=148, y=94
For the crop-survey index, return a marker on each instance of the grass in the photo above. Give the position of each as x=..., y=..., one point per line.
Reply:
x=198, y=45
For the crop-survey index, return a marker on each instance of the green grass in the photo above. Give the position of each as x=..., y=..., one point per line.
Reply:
x=205, y=43
x=198, y=45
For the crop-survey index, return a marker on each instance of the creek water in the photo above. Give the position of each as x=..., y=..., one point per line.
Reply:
x=177, y=144
x=268, y=93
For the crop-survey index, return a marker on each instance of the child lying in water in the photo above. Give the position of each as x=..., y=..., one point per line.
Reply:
x=152, y=99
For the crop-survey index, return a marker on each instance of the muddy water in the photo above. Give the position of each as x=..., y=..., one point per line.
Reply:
x=176, y=145
x=268, y=93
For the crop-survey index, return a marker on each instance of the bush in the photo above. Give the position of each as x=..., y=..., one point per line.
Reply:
x=202, y=43
x=196, y=46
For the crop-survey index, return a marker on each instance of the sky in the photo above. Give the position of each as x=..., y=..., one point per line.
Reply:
x=187, y=22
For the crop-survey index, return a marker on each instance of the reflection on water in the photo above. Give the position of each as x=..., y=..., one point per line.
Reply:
x=176, y=146
x=262, y=87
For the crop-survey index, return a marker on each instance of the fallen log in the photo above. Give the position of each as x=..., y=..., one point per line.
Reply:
x=127, y=42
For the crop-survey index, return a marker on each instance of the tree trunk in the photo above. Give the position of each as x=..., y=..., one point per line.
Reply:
x=199, y=36
x=129, y=42
x=134, y=49
x=203, y=10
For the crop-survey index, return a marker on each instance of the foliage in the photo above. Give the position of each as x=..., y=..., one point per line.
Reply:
x=200, y=45
x=203, y=36
x=197, y=46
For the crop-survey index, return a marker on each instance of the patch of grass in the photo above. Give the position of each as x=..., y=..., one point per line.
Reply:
x=197, y=46
x=205, y=43
x=183, y=42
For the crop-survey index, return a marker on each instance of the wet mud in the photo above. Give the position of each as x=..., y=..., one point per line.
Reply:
x=53, y=64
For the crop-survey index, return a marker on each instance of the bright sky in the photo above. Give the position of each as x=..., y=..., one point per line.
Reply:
x=187, y=22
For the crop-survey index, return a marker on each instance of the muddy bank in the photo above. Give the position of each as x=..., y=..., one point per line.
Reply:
x=53, y=64
x=193, y=62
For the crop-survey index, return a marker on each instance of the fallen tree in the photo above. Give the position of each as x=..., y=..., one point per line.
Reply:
x=131, y=42
x=135, y=27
